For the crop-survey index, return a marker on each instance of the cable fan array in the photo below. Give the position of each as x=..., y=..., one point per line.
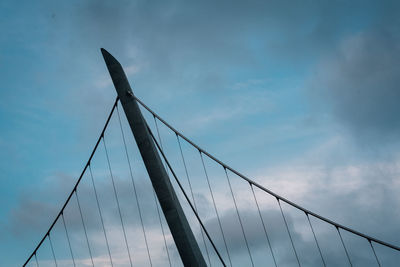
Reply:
x=253, y=186
x=116, y=220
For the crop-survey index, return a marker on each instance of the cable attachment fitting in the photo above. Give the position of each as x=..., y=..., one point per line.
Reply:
x=129, y=93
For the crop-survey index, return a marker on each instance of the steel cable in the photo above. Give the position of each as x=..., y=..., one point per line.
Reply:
x=263, y=224
x=215, y=207
x=315, y=238
x=373, y=250
x=240, y=219
x=162, y=227
x=116, y=198
x=134, y=188
x=262, y=187
x=155, y=198
x=186, y=197
x=159, y=139
x=37, y=262
x=290, y=236
x=84, y=227
x=101, y=216
x=52, y=250
x=69, y=242
x=345, y=249
x=76, y=184
x=194, y=201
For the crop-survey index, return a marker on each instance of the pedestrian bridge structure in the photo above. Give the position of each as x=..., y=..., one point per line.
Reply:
x=149, y=196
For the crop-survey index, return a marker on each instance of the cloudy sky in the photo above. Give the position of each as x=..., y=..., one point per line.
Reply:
x=301, y=96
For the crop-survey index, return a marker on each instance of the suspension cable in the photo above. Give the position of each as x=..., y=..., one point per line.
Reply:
x=155, y=197
x=262, y=187
x=376, y=257
x=215, y=208
x=37, y=262
x=345, y=249
x=52, y=250
x=316, y=241
x=251, y=182
x=84, y=227
x=134, y=188
x=116, y=198
x=186, y=197
x=69, y=242
x=101, y=216
x=288, y=231
x=240, y=220
x=159, y=137
x=76, y=184
x=161, y=225
x=263, y=224
x=191, y=192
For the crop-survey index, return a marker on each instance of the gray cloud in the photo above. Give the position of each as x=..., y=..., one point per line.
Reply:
x=30, y=219
x=177, y=48
x=180, y=47
x=185, y=47
x=304, y=243
x=255, y=237
x=33, y=214
x=361, y=197
x=26, y=216
x=360, y=81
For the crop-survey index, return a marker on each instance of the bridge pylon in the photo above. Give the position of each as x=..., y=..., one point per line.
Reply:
x=185, y=241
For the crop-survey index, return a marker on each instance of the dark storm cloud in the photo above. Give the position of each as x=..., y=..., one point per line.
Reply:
x=361, y=82
x=178, y=46
x=184, y=46
x=198, y=44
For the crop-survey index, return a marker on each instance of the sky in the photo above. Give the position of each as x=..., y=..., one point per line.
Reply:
x=301, y=96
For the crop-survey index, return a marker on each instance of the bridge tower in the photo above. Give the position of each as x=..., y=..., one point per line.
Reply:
x=185, y=241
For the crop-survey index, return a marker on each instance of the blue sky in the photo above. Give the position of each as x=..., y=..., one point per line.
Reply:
x=301, y=96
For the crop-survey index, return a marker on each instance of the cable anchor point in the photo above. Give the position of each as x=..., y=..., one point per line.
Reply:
x=129, y=93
